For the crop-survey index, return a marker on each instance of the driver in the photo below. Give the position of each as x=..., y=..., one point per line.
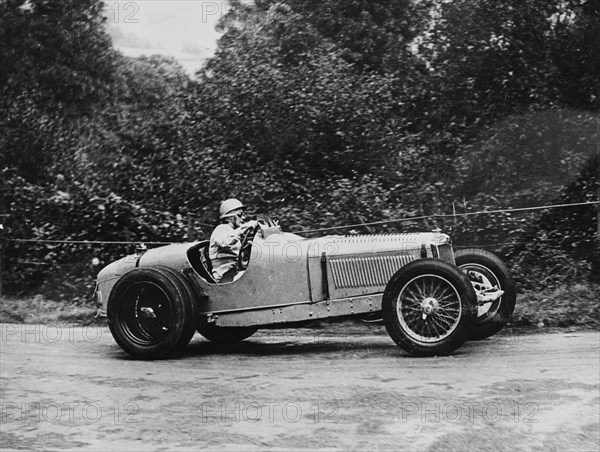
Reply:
x=225, y=241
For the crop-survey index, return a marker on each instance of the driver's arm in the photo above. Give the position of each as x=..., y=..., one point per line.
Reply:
x=248, y=225
x=225, y=238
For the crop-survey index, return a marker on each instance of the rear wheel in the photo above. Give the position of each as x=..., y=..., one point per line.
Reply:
x=485, y=270
x=428, y=307
x=224, y=335
x=151, y=312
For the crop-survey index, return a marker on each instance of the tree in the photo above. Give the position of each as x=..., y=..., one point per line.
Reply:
x=57, y=63
x=372, y=35
x=283, y=103
x=558, y=248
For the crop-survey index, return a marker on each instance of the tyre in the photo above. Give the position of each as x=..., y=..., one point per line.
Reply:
x=151, y=312
x=224, y=335
x=428, y=307
x=485, y=270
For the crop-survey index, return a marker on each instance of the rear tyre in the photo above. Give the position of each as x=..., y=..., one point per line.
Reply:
x=428, y=307
x=224, y=335
x=151, y=312
x=485, y=270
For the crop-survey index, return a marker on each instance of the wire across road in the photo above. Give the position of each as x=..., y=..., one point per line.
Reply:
x=328, y=229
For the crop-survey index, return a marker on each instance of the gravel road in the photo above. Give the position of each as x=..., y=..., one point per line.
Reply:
x=343, y=386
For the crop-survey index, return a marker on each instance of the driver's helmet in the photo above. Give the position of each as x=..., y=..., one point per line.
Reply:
x=228, y=206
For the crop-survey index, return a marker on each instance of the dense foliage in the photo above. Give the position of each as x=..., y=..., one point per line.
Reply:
x=321, y=114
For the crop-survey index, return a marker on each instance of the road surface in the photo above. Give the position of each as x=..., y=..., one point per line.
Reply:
x=343, y=386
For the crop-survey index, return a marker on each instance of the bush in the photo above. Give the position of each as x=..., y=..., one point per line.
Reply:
x=45, y=224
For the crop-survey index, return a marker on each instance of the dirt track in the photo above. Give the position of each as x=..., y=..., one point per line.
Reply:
x=340, y=387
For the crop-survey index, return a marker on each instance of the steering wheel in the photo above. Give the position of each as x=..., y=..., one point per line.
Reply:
x=245, y=247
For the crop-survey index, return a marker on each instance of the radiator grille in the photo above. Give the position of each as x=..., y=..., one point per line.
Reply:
x=366, y=271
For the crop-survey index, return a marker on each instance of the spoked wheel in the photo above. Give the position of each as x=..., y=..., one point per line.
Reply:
x=488, y=273
x=428, y=306
x=151, y=312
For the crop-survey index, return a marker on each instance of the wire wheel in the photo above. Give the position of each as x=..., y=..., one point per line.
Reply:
x=482, y=278
x=429, y=308
x=485, y=270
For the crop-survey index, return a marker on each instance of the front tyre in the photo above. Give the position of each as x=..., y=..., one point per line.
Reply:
x=486, y=271
x=428, y=307
x=151, y=312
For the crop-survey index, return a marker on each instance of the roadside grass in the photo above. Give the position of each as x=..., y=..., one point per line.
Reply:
x=37, y=309
x=572, y=306
x=576, y=306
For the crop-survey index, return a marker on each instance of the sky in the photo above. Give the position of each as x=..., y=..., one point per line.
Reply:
x=184, y=29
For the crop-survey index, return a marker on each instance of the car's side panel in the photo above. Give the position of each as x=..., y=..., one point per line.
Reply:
x=276, y=275
x=288, y=273
x=173, y=256
x=300, y=312
x=317, y=278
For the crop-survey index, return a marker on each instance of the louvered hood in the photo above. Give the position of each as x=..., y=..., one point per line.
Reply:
x=348, y=266
x=358, y=244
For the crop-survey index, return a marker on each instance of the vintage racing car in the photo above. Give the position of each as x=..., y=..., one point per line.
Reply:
x=430, y=298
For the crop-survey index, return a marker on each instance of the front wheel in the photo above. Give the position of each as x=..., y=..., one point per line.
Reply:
x=151, y=312
x=428, y=307
x=487, y=272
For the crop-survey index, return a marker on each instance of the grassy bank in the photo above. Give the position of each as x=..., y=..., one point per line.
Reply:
x=38, y=309
x=575, y=306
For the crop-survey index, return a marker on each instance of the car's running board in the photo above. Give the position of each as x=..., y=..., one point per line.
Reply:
x=293, y=313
